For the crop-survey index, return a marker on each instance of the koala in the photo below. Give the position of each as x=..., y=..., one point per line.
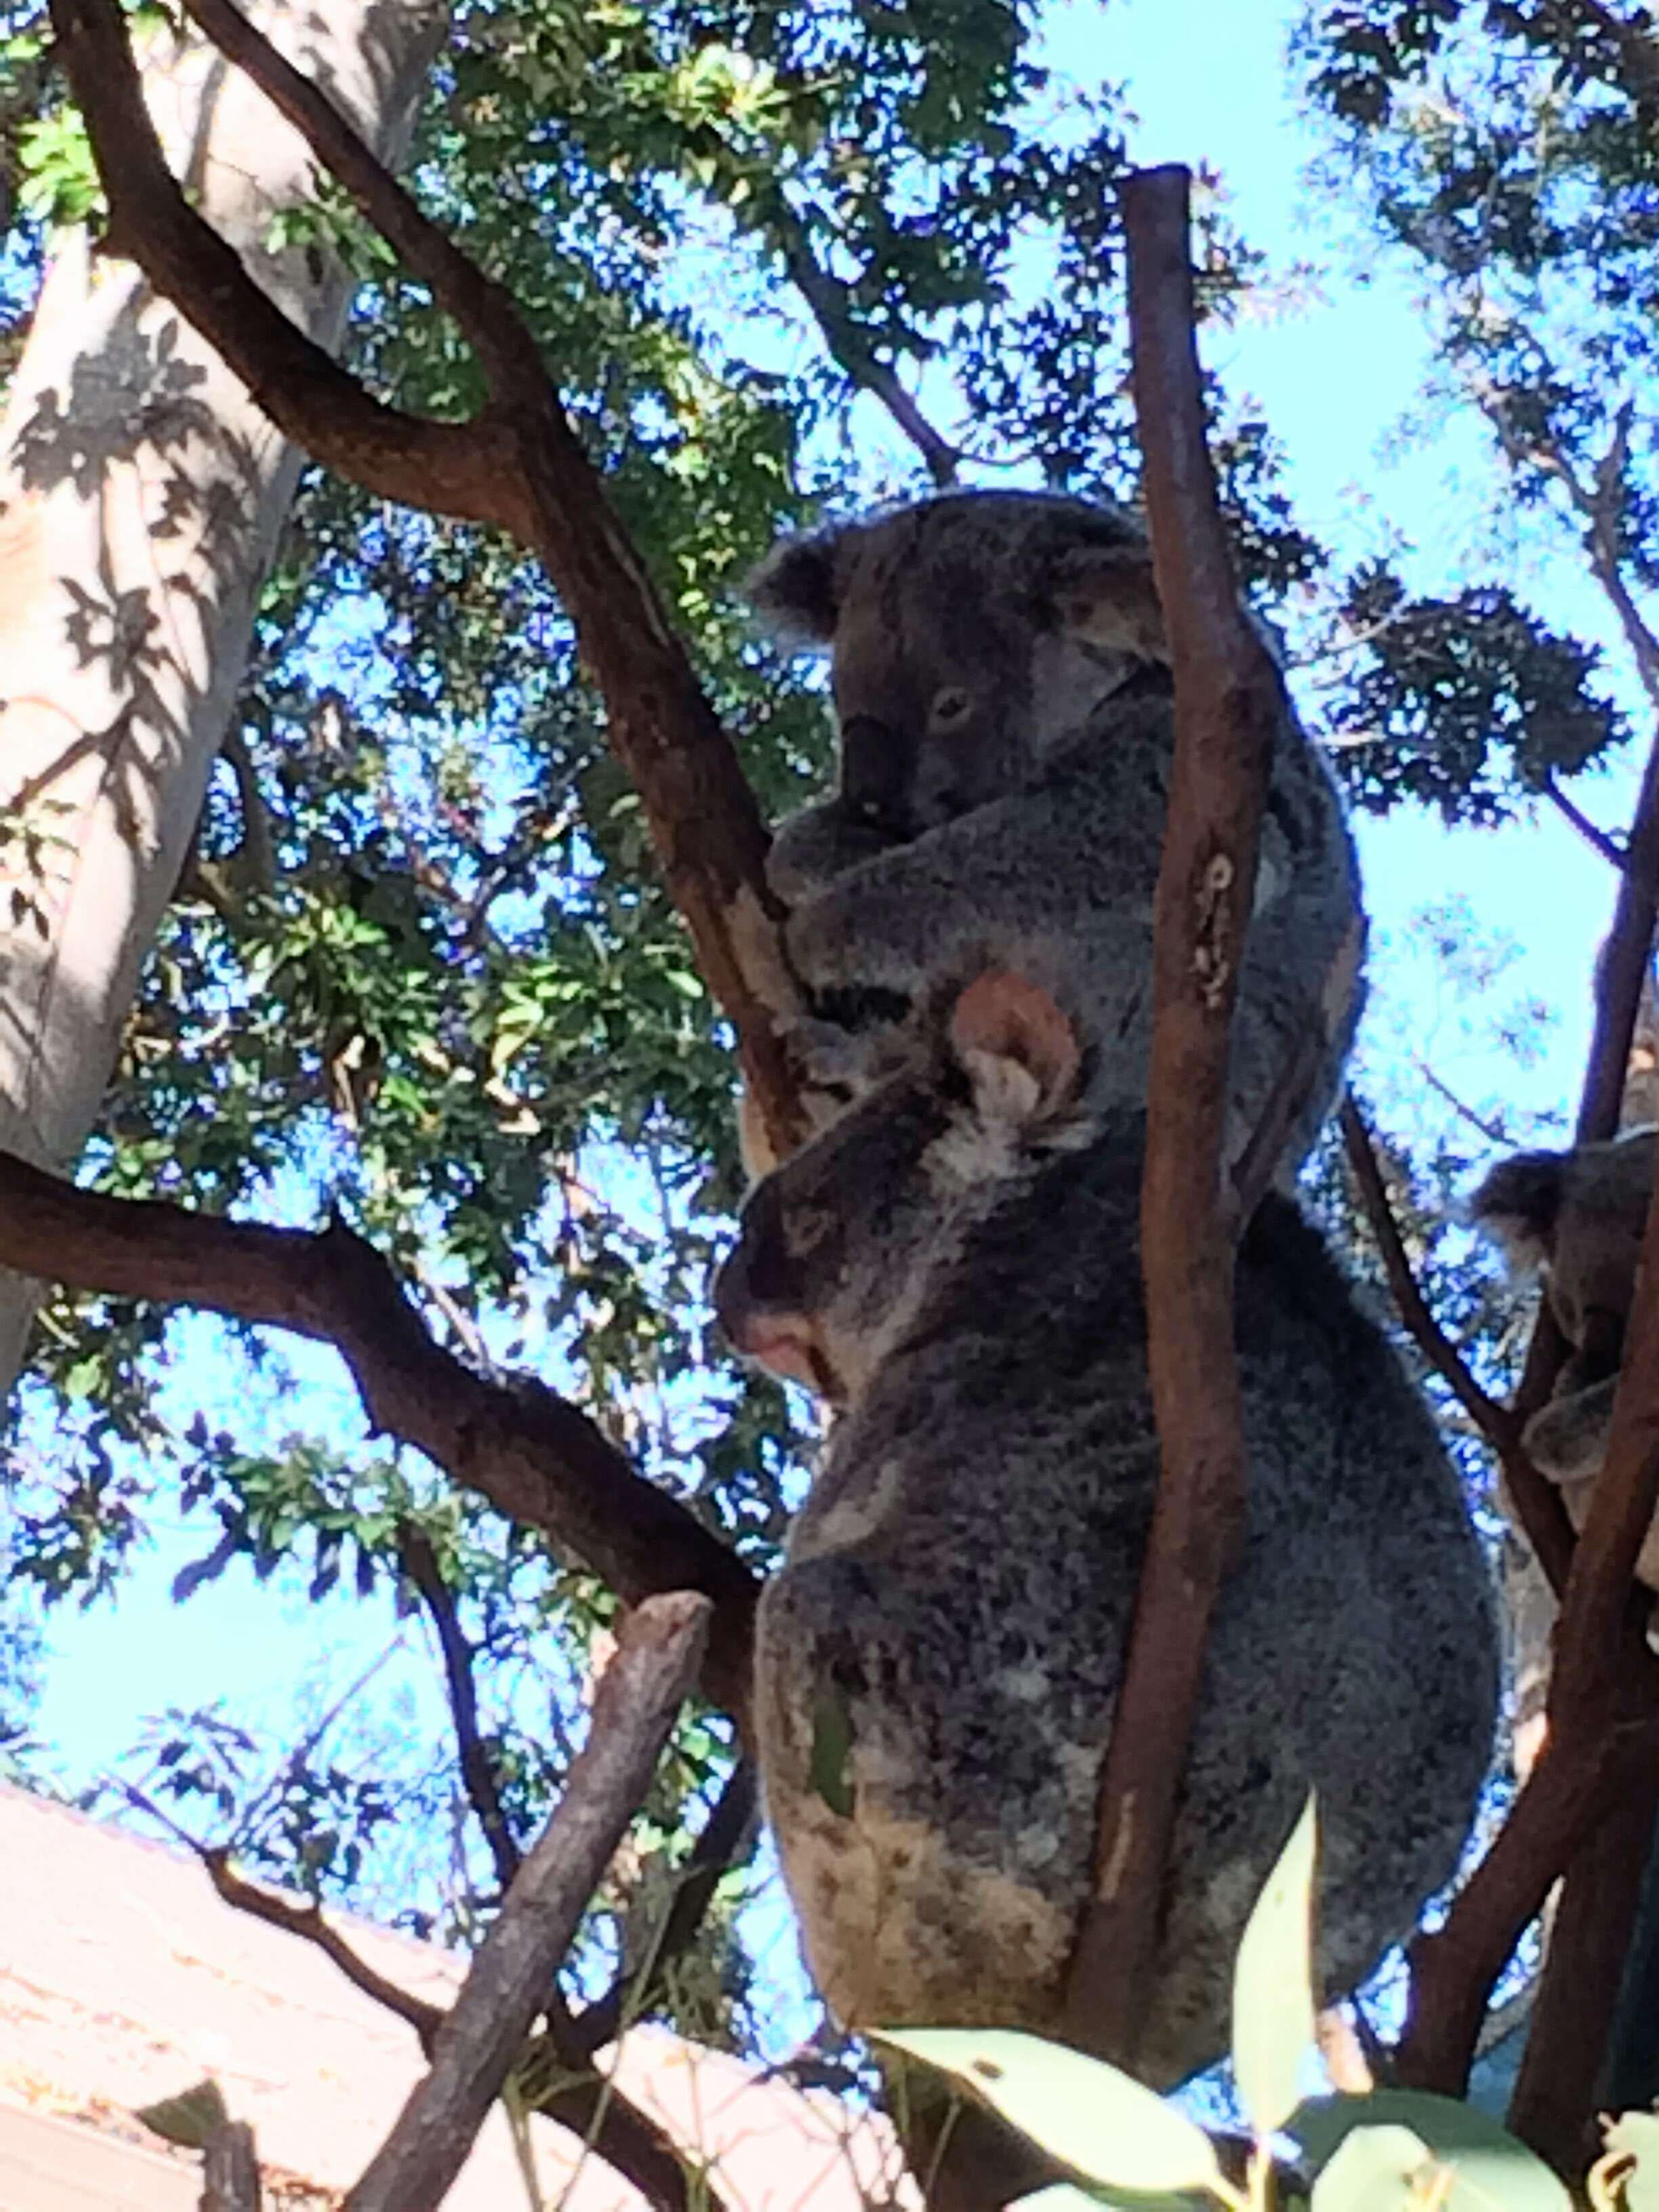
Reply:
x=1005, y=706
x=953, y=1262
x=1577, y=1215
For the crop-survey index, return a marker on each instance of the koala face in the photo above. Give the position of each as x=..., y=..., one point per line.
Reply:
x=835, y=1248
x=1580, y=1216
x=971, y=633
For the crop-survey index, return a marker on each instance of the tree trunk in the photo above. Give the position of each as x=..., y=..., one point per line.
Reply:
x=141, y=496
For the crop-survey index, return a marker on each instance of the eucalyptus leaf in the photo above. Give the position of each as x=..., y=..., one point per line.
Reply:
x=1084, y=2113
x=1386, y=2169
x=1494, y=2172
x=190, y=2119
x=1273, y=1984
x=1636, y=2134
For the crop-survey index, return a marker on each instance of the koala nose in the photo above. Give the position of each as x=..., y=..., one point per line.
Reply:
x=760, y=1277
x=874, y=773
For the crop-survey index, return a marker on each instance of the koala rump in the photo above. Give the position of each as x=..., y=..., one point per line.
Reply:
x=938, y=1660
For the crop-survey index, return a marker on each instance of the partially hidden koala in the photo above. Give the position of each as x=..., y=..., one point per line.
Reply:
x=1578, y=1217
x=1005, y=706
x=953, y=1262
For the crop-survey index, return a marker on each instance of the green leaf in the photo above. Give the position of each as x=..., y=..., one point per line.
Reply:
x=1273, y=1984
x=1636, y=2134
x=1495, y=2173
x=1082, y=2111
x=190, y=2119
x=832, y=1747
x=1385, y=2169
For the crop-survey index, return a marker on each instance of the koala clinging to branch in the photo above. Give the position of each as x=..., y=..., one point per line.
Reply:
x=1006, y=712
x=1578, y=1216
x=954, y=1260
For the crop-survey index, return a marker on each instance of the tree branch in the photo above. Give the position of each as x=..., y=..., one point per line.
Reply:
x=1592, y=833
x=520, y=464
x=1536, y=1499
x=640, y=1693
x=230, y=2170
x=419, y=1564
x=536, y=1459
x=1227, y=706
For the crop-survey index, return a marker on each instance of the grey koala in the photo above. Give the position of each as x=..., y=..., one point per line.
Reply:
x=953, y=1262
x=1578, y=1216
x=1006, y=716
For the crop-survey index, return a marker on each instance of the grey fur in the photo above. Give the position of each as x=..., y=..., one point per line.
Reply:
x=954, y=1260
x=1579, y=1217
x=1023, y=828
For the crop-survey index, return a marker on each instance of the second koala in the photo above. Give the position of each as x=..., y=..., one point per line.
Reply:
x=1578, y=1216
x=1006, y=714
x=954, y=1262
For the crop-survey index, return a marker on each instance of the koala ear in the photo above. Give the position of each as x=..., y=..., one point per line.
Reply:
x=1105, y=594
x=794, y=592
x=1519, y=1204
x=1019, y=1050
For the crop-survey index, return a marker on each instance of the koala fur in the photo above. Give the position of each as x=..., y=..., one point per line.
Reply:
x=1006, y=714
x=1577, y=1215
x=954, y=1262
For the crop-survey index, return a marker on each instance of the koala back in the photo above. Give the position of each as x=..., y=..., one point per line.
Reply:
x=950, y=1624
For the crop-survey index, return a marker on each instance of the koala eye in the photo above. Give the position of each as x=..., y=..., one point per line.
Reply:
x=808, y=1227
x=949, y=706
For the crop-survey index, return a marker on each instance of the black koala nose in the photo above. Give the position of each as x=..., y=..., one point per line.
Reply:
x=874, y=772
x=760, y=1274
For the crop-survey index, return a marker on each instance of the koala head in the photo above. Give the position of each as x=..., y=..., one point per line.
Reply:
x=970, y=634
x=1579, y=1216
x=835, y=1248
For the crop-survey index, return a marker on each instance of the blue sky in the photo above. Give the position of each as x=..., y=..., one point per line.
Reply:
x=1209, y=84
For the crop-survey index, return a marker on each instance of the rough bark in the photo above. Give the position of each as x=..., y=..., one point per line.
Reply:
x=141, y=494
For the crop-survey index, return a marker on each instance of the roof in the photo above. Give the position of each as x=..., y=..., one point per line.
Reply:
x=124, y=1980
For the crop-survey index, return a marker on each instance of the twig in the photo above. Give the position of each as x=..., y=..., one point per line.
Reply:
x=726, y=1832
x=656, y=1661
x=519, y=464
x=1227, y=706
x=419, y=1564
x=537, y=1459
x=1536, y=1499
x=1592, y=835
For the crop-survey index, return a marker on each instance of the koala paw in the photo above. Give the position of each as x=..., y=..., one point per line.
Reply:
x=1567, y=1439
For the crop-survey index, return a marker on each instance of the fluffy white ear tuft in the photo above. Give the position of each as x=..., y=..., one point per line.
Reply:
x=1019, y=1049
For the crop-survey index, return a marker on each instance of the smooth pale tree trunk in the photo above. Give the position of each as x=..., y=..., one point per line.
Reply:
x=141, y=496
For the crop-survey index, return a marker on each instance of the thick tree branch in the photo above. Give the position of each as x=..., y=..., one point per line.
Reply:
x=537, y=1459
x=1227, y=706
x=520, y=464
x=419, y=1564
x=657, y=1653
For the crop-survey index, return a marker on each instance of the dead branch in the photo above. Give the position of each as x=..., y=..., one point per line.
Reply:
x=419, y=1564
x=657, y=1653
x=1536, y=1499
x=230, y=2171
x=519, y=464
x=1227, y=706
x=536, y=1458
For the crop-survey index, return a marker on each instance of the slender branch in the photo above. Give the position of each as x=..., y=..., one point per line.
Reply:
x=1536, y=1499
x=640, y=1693
x=1592, y=833
x=520, y=464
x=831, y=308
x=537, y=1459
x=419, y=1564
x=1227, y=706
